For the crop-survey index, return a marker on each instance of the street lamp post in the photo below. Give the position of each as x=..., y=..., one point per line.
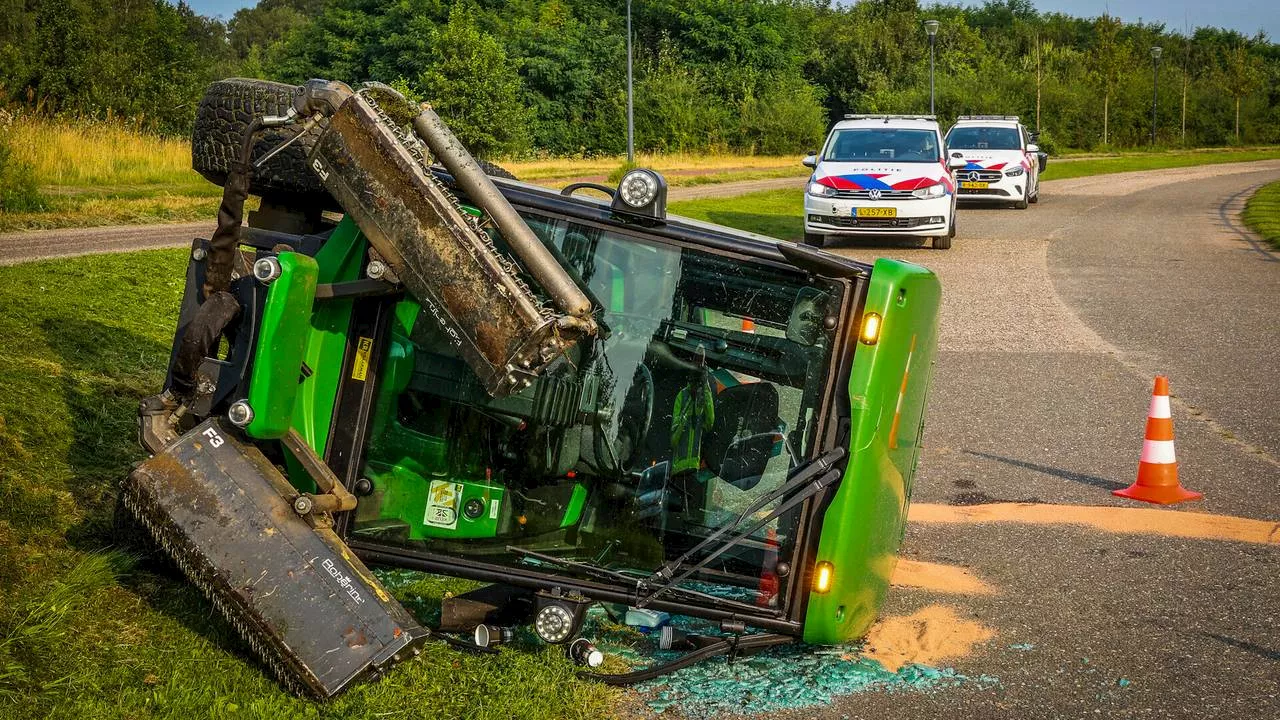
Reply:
x=631, y=124
x=1155, y=88
x=931, y=27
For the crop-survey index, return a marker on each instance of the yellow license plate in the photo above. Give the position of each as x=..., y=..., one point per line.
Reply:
x=973, y=185
x=875, y=212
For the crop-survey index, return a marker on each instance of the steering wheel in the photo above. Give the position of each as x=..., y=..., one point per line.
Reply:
x=644, y=421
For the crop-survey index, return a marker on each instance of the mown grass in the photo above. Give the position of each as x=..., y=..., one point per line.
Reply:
x=1063, y=168
x=1262, y=213
x=776, y=213
x=88, y=632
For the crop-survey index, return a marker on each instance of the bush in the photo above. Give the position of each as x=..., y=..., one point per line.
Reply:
x=784, y=115
x=18, y=191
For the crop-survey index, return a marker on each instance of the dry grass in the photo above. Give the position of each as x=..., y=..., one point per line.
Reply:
x=674, y=165
x=96, y=153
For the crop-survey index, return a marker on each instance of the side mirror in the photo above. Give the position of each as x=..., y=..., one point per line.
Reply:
x=957, y=162
x=808, y=313
x=1033, y=148
x=810, y=160
x=1043, y=159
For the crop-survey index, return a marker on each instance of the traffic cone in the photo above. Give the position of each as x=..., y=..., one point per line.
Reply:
x=1158, y=469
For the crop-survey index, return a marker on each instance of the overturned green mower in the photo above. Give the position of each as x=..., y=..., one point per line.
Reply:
x=575, y=400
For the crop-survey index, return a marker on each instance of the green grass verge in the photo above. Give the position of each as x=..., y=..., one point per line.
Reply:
x=1061, y=169
x=776, y=213
x=88, y=632
x=1262, y=213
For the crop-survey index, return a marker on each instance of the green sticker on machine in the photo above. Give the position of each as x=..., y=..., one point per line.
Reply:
x=442, y=504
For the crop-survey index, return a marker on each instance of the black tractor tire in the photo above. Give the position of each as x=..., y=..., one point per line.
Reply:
x=225, y=111
x=814, y=239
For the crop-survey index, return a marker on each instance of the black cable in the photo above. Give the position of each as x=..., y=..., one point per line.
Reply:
x=735, y=644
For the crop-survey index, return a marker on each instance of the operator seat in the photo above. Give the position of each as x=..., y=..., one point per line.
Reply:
x=742, y=411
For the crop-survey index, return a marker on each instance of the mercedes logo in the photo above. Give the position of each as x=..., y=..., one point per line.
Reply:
x=874, y=194
x=974, y=176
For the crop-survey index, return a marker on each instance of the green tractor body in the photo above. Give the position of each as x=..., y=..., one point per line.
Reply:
x=734, y=439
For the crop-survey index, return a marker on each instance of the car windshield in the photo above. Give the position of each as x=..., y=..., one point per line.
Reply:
x=984, y=138
x=882, y=144
x=700, y=395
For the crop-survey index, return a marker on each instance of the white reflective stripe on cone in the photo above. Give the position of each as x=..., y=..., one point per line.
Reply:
x=1158, y=451
x=1159, y=406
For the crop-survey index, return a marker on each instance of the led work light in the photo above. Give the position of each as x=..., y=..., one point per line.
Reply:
x=558, y=617
x=642, y=192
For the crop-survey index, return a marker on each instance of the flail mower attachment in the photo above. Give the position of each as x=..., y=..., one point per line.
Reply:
x=375, y=168
x=308, y=607
x=262, y=551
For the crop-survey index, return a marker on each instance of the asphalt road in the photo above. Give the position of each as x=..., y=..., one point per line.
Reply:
x=1055, y=319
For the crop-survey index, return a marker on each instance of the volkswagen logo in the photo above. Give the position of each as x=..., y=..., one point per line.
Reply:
x=874, y=194
x=974, y=176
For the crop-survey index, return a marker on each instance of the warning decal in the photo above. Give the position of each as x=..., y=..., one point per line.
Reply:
x=442, y=504
x=360, y=368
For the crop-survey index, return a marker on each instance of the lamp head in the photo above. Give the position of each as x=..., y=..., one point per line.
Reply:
x=931, y=27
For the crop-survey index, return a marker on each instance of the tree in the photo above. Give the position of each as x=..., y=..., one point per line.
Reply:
x=471, y=84
x=1241, y=75
x=1109, y=57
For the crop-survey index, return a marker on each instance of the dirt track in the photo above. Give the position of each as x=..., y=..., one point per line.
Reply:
x=42, y=244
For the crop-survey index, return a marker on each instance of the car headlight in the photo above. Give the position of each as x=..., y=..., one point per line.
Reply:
x=820, y=190
x=933, y=191
x=1014, y=172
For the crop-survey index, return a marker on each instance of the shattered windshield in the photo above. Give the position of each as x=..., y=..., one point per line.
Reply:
x=700, y=395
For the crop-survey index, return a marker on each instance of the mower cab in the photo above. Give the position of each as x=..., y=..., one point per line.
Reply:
x=578, y=402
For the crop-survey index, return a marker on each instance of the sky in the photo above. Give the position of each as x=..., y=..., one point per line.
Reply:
x=1247, y=16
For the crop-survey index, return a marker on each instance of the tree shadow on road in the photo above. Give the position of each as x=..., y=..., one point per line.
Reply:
x=1093, y=480
x=1246, y=646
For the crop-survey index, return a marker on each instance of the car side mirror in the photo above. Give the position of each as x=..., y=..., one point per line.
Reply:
x=1033, y=148
x=810, y=160
x=957, y=162
x=1043, y=160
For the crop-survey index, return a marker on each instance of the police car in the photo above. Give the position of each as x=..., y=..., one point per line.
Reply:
x=881, y=175
x=1002, y=163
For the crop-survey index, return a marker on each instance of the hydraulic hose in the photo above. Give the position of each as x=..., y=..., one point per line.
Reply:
x=222, y=246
